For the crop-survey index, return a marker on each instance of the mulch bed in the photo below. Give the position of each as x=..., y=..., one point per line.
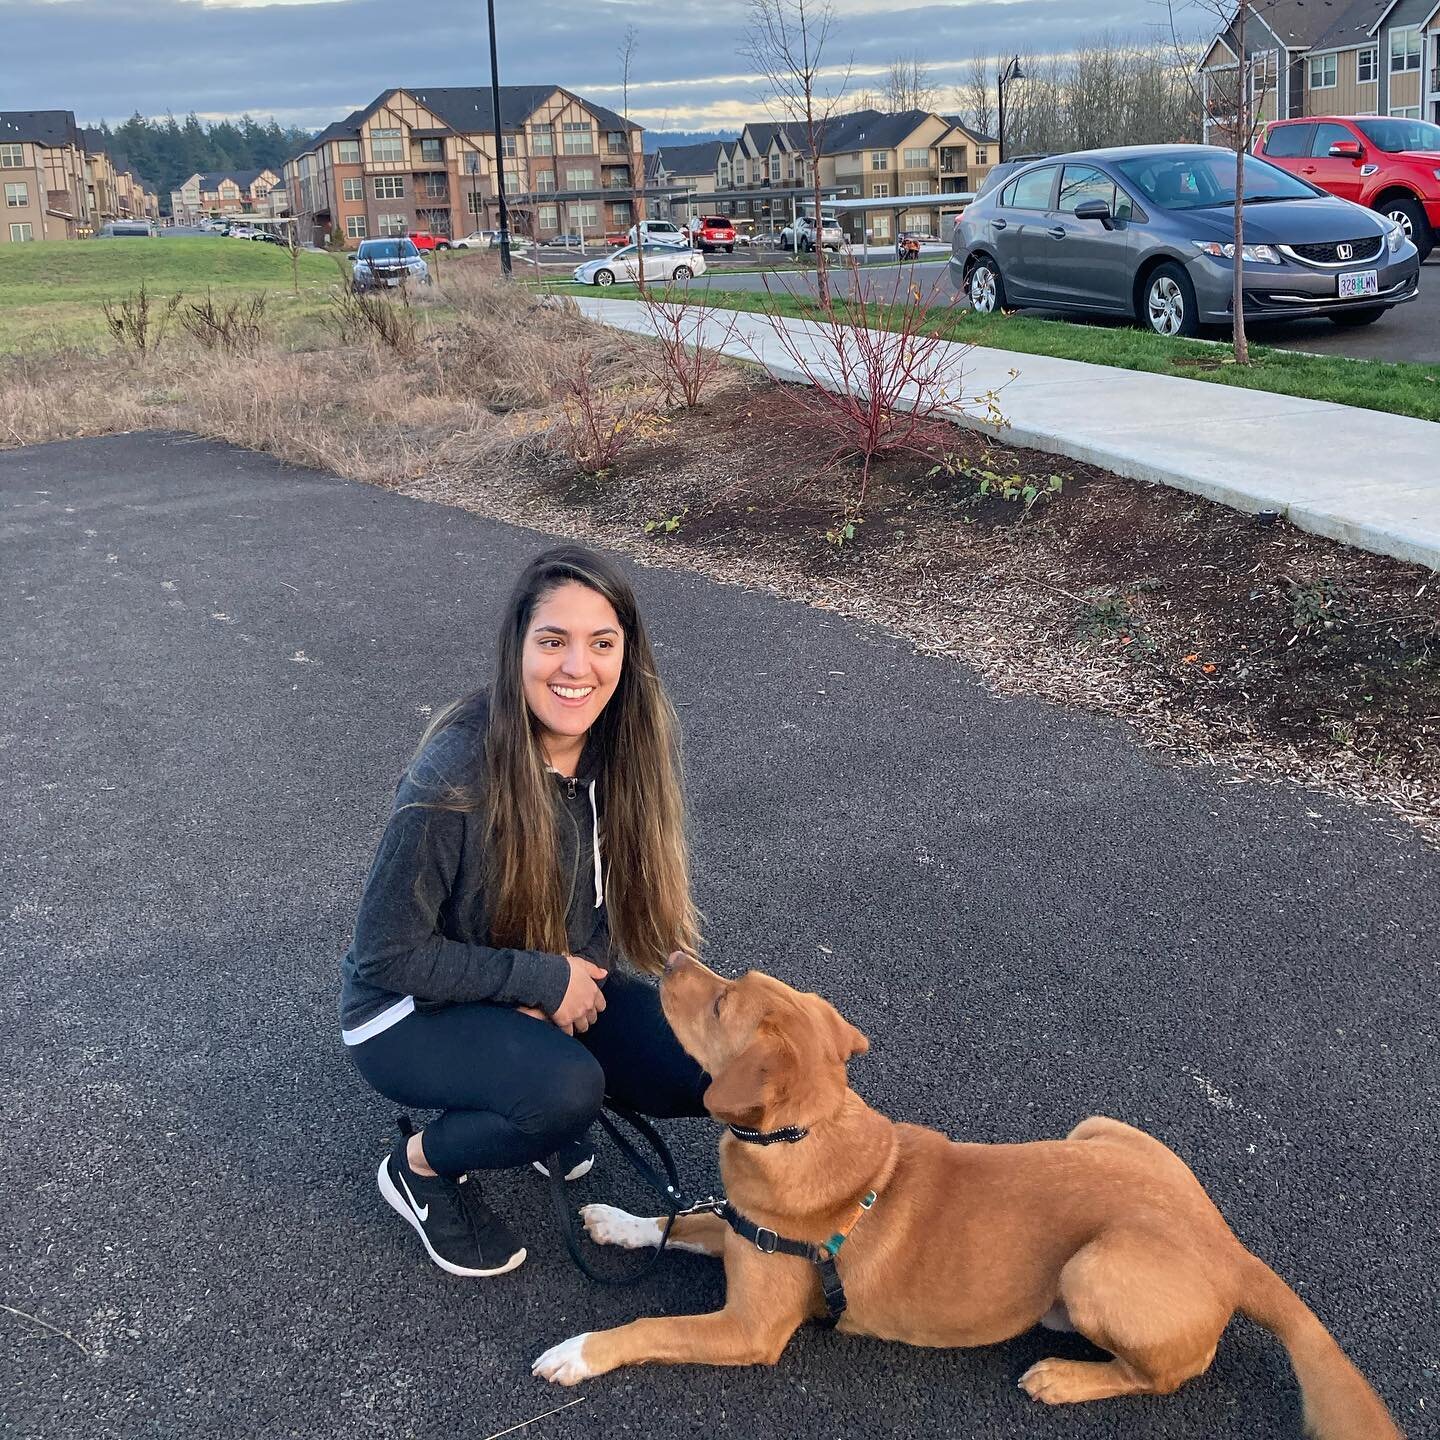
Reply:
x=1217, y=637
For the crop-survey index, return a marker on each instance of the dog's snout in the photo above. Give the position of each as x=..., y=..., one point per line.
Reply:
x=677, y=960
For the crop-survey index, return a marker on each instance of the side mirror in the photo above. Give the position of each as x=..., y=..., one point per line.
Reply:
x=1094, y=210
x=1346, y=150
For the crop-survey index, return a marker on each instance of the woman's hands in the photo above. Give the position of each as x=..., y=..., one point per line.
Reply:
x=584, y=1000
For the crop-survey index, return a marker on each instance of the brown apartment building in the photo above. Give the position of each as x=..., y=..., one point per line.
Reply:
x=424, y=159
x=42, y=177
x=214, y=193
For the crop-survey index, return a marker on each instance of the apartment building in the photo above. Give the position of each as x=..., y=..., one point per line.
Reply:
x=424, y=159
x=765, y=173
x=214, y=193
x=1350, y=57
x=114, y=190
x=42, y=177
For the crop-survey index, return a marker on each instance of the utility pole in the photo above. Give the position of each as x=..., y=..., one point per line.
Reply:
x=499, y=147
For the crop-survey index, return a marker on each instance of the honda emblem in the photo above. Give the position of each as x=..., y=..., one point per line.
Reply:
x=1345, y=251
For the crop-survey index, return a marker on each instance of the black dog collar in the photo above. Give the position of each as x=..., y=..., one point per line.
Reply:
x=788, y=1136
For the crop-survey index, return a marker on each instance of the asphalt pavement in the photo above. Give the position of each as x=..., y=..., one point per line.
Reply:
x=215, y=668
x=1408, y=332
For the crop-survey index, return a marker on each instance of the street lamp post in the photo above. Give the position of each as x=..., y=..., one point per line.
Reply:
x=504, y=235
x=1012, y=71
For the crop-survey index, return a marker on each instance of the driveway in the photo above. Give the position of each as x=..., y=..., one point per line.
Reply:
x=1408, y=332
x=215, y=668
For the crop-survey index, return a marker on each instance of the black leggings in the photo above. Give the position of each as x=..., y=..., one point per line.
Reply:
x=512, y=1088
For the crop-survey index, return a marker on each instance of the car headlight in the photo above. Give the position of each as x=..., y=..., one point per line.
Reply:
x=1395, y=233
x=1251, y=254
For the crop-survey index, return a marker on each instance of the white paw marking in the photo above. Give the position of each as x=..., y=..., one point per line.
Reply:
x=607, y=1225
x=564, y=1364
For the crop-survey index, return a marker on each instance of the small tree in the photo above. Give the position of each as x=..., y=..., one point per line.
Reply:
x=628, y=47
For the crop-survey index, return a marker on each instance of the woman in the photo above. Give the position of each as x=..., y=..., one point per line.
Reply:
x=537, y=836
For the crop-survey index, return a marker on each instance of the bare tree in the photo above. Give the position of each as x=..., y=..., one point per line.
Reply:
x=974, y=96
x=628, y=46
x=909, y=85
x=785, y=41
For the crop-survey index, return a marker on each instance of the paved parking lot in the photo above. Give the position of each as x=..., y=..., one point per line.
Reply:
x=215, y=667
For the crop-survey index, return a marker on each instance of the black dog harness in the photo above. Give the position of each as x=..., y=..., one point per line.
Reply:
x=769, y=1242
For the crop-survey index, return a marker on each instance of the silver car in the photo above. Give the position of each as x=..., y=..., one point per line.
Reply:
x=662, y=262
x=1147, y=232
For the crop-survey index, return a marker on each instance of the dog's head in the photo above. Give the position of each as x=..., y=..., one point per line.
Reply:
x=777, y=1056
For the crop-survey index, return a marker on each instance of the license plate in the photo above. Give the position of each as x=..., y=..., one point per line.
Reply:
x=1362, y=282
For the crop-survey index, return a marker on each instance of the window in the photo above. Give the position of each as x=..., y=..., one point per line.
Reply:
x=436, y=187
x=476, y=203
x=512, y=182
x=17, y=195
x=580, y=179
x=549, y=217
x=616, y=177
x=724, y=172
x=917, y=159
x=432, y=152
x=982, y=155
x=585, y=216
x=742, y=207
x=1288, y=140
x=389, y=187
x=579, y=140
x=880, y=227
x=355, y=227
x=879, y=159
x=615, y=142
x=1405, y=112
x=739, y=172
x=620, y=209
x=1079, y=183
x=385, y=147
x=916, y=187
x=1324, y=70
x=12, y=157
x=20, y=233
x=392, y=224
x=774, y=169
x=437, y=222
x=1030, y=191
x=879, y=192
x=1367, y=65
x=542, y=140
x=347, y=152
x=545, y=180
x=353, y=189
x=1404, y=54
x=1325, y=136
x=792, y=167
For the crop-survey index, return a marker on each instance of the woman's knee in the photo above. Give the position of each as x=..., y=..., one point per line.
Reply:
x=569, y=1097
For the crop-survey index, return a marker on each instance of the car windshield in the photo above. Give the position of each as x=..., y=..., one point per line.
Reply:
x=1396, y=135
x=387, y=250
x=1193, y=180
x=623, y=250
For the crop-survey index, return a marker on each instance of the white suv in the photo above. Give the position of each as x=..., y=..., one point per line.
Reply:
x=660, y=232
x=831, y=235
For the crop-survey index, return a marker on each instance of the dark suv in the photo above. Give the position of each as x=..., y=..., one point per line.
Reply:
x=1381, y=162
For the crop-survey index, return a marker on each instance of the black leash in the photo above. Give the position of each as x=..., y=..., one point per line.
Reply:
x=666, y=1189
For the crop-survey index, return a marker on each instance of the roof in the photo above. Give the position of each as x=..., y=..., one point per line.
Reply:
x=211, y=179
x=1307, y=25
x=700, y=159
x=870, y=129
x=40, y=127
x=346, y=129
x=468, y=108
x=959, y=122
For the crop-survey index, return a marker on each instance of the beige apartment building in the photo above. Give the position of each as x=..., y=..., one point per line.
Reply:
x=42, y=177
x=764, y=175
x=114, y=190
x=214, y=193
x=1352, y=57
x=424, y=159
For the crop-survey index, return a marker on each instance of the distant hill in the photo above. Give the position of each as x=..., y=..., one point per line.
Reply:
x=654, y=139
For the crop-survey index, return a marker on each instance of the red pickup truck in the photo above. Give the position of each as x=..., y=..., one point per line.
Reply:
x=424, y=240
x=1382, y=162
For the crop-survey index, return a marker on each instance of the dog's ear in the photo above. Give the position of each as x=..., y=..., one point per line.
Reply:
x=742, y=1092
x=848, y=1042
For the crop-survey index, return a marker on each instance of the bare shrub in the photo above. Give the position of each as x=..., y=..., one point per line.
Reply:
x=138, y=323
x=683, y=367
x=371, y=313
x=236, y=327
x=599, y=422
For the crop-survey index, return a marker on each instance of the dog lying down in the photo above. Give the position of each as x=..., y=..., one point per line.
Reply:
x=1106, y=1232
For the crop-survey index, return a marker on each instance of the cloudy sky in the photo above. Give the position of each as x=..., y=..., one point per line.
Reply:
x=307, y=62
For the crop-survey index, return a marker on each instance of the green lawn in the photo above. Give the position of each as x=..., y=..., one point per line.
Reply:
x=50, y=292
x=1398, y=387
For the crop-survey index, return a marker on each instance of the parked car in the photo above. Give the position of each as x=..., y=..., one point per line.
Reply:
x=475, y=240
x=907, y=245
x=712, y=232
x=572, y=241
x=127, y=230
x=387, y=264
x=1384, y=163
x=241, y=232
x=1005, y=168
x=802, y=234
x=1146, y=231
x=424, y=240
x=659, y=232
x=662, y=262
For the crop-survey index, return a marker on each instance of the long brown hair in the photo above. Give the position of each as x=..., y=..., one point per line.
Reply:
x=632, y=751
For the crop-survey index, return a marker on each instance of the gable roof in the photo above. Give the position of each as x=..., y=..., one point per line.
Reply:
x=40, y=127
x=468, y=108
x=1306, y=25
x=698, y=159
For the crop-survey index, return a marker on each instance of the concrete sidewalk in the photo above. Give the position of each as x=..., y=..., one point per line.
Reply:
x=1366, y=478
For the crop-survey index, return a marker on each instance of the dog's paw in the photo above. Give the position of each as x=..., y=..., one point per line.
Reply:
x=564, y=1364
x=606, y=1225
x=1052, y=1382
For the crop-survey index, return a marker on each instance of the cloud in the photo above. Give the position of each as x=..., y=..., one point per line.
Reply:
x=308, y=62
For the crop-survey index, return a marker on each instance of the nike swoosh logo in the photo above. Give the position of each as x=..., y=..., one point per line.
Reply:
x=422, y=1211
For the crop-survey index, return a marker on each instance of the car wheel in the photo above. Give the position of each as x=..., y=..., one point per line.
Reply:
x=986, y=289
x=1408, y=215
x=1367, y=315
x=1170, y=307
x=604, y=277
x=729, y=249
x=682, y=272
x=442, y=246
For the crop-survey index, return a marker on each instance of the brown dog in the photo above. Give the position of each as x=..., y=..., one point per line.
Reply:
x=1106, y=1232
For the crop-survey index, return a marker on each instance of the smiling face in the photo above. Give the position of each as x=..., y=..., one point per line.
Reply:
x=574, y=651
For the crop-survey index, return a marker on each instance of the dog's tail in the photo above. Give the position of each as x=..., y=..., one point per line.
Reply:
x=1339, y=1403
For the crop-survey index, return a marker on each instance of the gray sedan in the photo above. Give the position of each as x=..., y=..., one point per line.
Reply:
x=1147, y=232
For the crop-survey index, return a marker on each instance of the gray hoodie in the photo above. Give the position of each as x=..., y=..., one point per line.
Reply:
x=423, y=927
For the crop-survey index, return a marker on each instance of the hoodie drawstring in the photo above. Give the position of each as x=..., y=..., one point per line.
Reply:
x=595, y=842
